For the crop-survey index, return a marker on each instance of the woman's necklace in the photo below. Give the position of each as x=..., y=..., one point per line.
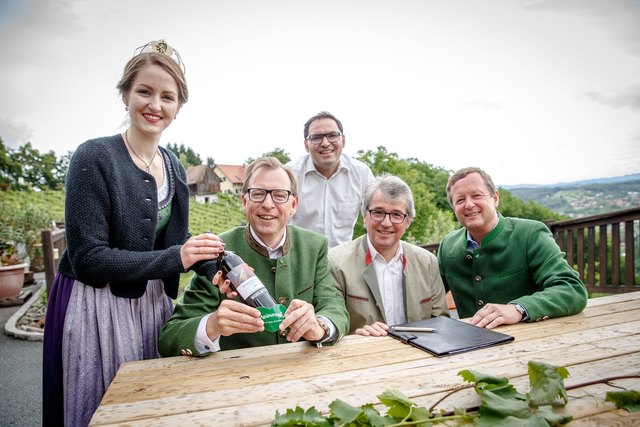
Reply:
x=147, y=165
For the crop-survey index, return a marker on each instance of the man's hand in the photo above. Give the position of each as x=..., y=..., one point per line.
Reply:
x=301, y=320
x=378, y=329
x=492, y=315
x=223, y=285
x=233, y=317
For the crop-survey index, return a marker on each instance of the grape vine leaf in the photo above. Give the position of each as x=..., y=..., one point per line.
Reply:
x=366, y=415
x=299, y=417
x=628, y=399
x=503, y=405
x=401, y=407
x=546, y=384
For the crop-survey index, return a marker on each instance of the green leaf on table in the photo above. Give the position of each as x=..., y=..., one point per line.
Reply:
x=503, y=405
x=543, y=418
x=502, y=401
x=546, y=384
x=343, y=411
x=478, y=377
x=366, y=415
x=402, y=408
x=299, y=417
x=628, y=399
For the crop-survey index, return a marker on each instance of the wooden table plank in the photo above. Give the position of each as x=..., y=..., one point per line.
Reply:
x=246, y=387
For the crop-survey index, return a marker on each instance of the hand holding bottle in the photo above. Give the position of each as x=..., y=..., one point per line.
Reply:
x=224, y=285
x=244, y=281
x=202, y=247
x=301, y=320
x=250, y=289
x=233, y=317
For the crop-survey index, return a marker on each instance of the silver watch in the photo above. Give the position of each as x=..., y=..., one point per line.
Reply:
x=327, y=331
x=521, y=310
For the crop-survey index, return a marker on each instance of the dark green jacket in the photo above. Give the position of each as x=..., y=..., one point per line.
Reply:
x=517, y=261
x=301, y=273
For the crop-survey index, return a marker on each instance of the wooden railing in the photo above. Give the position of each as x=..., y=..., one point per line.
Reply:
x=612, y=237
x=53, y=244
x=602, y=248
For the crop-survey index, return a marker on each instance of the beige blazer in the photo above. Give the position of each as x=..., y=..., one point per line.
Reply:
x=357, y=283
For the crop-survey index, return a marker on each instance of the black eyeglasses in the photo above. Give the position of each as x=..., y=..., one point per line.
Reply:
x=259, y=194
x=317, y=138
x=394, y=217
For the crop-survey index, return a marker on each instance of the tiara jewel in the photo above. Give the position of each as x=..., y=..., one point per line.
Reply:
x=161, y=46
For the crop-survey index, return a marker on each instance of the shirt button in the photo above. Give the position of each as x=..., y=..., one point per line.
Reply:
x=480, y=303
x=207, y=347
x=477, y=278
x=469, y=257
x=283, y=333
x=282, y=300
x=274, y=269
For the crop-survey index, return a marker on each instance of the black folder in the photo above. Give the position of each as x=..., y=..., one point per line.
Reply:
x=452, y=336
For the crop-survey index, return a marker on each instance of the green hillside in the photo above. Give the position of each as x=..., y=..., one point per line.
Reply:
x=579, y=200
x=215, y=217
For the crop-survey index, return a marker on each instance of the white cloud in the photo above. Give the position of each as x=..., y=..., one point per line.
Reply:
x=452, y=83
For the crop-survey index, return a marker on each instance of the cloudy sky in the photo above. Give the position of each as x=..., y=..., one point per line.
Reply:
x=535, y=91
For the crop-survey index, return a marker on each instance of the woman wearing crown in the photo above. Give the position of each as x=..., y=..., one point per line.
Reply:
x=126, y=222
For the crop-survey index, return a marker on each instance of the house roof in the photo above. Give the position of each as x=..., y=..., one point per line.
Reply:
x=195, y=174
x=234, y=173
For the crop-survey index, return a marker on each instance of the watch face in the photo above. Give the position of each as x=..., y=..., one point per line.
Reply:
x=324, y=326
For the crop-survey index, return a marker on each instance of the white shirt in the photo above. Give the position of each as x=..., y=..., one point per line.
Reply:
x=389, y=276
x=330, y=206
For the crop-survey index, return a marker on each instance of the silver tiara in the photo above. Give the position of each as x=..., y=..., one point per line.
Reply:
x=161, y=46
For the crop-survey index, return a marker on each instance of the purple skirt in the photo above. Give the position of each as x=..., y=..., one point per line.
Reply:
x=89, y=333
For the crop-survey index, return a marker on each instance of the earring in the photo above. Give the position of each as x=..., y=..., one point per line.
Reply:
x=126, y=108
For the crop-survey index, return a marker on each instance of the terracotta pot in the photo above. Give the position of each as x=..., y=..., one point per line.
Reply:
x=11, y=280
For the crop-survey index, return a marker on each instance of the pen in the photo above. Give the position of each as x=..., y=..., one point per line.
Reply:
x=412, y=329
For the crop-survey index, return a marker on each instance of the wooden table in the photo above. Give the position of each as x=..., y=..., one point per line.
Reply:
x=246, y=387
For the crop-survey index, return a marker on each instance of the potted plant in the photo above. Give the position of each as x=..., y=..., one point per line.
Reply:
x=12, y=265
x=19, y=233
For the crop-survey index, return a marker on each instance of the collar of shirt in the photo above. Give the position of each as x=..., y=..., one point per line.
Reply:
x=309, y=167
x=472, y=245
x=274, y=253
x=374, y=255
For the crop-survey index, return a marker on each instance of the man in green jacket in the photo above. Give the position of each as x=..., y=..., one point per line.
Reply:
x=503, y=270
x=292, y=264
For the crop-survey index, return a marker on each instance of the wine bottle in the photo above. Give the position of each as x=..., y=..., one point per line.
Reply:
x=244, y=281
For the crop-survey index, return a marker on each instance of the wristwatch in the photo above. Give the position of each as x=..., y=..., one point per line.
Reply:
x=521, y=310
x=326, y=331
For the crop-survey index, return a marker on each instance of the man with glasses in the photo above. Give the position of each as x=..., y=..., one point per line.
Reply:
x=290, y=261
x=503, y=270
x=330, y=184
x=383, y=280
